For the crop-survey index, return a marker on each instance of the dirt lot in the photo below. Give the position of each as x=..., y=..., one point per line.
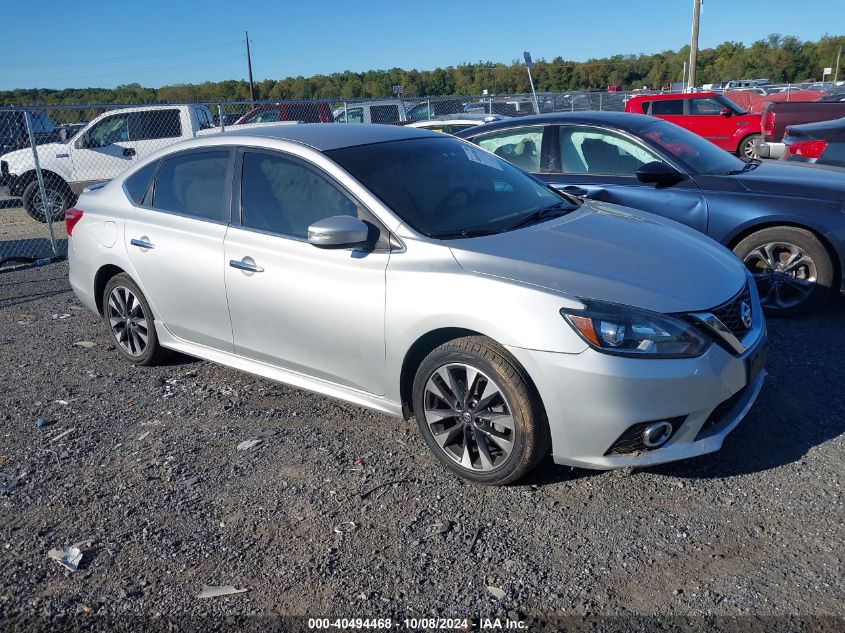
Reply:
x=20, y=235
x=143, y=462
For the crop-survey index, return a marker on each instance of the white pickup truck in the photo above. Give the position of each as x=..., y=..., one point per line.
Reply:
x=99, y=151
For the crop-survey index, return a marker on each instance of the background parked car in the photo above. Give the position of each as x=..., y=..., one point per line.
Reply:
x=778, y=116
x=434, y=109
x=710, y=115
x=451, y=123
x=14, y=135
x=304, y=112
x=390, y=111
x=784, y=221
x=820, y=143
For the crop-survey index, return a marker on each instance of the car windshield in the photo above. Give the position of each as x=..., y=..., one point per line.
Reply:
x=693, y=150
x=446, y=188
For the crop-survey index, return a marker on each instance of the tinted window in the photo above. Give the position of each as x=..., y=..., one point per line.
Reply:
x=667, y=107
x=154, y=124
x=597, y=151
x=138, y=183
x=194, y=184
x=284, y=196
x=441, y=186
x=709, y=107
x=520, y=147
x=384, y=114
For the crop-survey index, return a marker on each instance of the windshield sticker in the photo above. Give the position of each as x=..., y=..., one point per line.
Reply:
x=478, y=156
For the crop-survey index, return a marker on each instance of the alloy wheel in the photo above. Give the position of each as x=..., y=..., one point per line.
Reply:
x=55, y=203
x=128, y=321
x=469, y=417
x=749, y=148
x=785, y=274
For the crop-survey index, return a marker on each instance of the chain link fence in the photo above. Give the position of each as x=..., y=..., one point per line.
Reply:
x=50, y=153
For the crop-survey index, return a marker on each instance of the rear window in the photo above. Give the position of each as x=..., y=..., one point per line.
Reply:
x=194, y=184
x=138, y=183
x=667, y=107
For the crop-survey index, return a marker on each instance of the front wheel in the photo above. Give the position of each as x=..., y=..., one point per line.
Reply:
x=478, y=412
x=59, y=198
x=792, y=269
x=748, y=147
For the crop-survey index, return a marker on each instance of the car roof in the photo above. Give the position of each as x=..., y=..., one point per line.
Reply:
x=674, y=95
x=328, y=136
x=625, y=120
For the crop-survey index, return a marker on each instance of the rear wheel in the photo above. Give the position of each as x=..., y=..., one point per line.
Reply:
x=792, y=269
x=130, y=322
x=748, y=146
x=59, y=198
x=478, y=412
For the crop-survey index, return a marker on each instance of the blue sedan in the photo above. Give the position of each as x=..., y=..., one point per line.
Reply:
x=785, y=221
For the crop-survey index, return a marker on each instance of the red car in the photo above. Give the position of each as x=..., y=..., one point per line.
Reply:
x=306, y=112
x=708, y=114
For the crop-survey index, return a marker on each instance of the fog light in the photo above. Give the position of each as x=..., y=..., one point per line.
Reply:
x=657, y=434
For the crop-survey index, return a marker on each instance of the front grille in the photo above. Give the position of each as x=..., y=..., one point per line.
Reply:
x=714, y=422
x=631, y=441
x=730, y=313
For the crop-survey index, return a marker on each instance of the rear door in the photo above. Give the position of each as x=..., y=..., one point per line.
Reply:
x=314, y=311
x=151, y=130
x=174, y=238
x=604, y=162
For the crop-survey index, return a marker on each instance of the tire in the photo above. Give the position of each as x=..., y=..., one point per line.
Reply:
x=793, y=270
x=59, y=197
x=129, y=342
x=748, y=146
x=498, y=432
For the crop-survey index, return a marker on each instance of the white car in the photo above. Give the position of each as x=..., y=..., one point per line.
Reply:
x=379, y=111
x=451, y=123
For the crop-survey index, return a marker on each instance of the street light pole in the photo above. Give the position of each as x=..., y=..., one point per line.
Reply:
x=693, y=46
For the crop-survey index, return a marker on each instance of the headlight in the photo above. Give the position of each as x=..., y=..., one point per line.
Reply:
x=626, y=331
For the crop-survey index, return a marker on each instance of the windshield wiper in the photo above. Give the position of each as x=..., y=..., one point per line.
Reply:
x=747, y=167
x=555, y=210
x=445, y=235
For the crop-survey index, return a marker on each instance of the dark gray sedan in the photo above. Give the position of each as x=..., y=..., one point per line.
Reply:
x=785, y=221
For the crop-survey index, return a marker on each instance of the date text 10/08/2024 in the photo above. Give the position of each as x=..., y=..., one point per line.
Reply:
x=457, y=624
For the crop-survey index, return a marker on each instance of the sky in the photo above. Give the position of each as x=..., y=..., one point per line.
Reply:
x=105, y=43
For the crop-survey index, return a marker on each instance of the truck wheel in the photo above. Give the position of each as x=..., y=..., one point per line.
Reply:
x=748, y=146
x=59, y=198
x=792, y=269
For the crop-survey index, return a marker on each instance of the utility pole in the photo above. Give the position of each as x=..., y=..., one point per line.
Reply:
x=836, y=73
x=693, y=45
x=249, y=68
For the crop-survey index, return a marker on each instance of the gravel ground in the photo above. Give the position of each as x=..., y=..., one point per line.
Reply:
x=143, y=463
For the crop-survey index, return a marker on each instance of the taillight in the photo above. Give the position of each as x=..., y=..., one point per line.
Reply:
x=806, y=149
x=769, y=124
x=72, y=216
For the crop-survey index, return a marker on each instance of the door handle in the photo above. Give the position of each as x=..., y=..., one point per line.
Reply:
x=128, y=151
x=142, y=243
x=248, y=266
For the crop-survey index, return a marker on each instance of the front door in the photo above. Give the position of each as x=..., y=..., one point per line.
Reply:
x=705, y=119
x=103, y=151
x=175, y=243
x=605, y=162
x=315, y=311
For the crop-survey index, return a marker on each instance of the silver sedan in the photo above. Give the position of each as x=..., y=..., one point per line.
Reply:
x=416, y=274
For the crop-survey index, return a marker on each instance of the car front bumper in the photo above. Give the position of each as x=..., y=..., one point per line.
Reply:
x=591, y=399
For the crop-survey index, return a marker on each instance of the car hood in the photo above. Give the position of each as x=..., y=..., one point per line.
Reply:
x=611, y=253
x=795, y=180
x=22, y=158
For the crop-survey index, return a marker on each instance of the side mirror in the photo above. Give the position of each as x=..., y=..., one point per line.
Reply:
x=338, y=231
x=725, y=112
x=659, y=173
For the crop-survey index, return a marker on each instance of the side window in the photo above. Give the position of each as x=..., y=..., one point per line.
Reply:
x=138, y=183
x=284, y=196
x=40, y=123
x=384, y=114
x=265, y=116
x=194, y=184
x=352, y=115
x=646, y=105
x=154, y=124
x=709, y=107
x=597, y=151
x=112, y=129
x=671, y=107
x=520, y=147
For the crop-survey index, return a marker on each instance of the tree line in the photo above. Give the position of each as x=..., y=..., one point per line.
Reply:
x=779, y=58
